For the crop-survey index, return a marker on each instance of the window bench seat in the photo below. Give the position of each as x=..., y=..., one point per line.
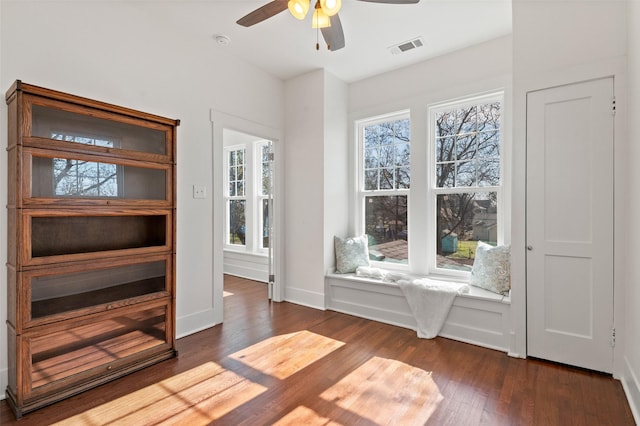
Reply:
x=479, y=317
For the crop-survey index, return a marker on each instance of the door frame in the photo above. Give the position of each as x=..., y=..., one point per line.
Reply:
x=219, y=122
x=540, y=80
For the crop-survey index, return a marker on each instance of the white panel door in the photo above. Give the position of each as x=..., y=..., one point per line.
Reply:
x=570, y=224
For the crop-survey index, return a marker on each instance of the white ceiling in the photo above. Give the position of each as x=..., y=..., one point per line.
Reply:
x=285, y=46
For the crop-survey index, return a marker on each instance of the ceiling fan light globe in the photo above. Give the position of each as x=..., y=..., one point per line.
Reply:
x=298, y=8
x=320, y=20
x=330, y=7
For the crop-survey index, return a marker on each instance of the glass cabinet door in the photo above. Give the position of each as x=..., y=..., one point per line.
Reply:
x=62, y=293
x=69, y=355
x=67, y=177
x=94, y=128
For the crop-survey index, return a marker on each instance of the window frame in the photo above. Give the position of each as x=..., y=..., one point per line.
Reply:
x=362, y=193
x=433, y=192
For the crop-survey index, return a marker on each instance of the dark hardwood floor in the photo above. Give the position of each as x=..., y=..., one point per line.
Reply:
x=280, y=363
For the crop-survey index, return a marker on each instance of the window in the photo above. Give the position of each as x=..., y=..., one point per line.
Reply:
x=466, y=192
x=460, y=198
x=384, y=152
x=84, y=139
x=76, y=178
x=248, y=190
x=236, y=199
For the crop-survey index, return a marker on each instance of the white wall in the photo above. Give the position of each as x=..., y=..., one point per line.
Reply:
x=632, y=225
x=554, y=43
x=455, y=72
x=337, y=158
x=118, y=52
x=315, y=166
x=303, y=187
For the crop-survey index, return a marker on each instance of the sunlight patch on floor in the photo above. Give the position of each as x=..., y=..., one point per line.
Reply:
x=305, y=416
x=385, y=391
x=284, y=355
x=226, y=293
x=194, y=397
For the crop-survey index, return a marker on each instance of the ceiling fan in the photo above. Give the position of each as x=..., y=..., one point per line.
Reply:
x=325, y=16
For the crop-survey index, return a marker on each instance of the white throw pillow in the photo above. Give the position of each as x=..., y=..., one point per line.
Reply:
x=351, y=253
x=492, y=268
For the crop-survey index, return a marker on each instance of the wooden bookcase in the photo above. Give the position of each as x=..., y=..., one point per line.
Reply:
x=91, y=243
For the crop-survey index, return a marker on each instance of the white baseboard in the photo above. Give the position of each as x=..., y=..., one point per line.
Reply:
x=195, y=322
x=304, y=297
x=631, y=388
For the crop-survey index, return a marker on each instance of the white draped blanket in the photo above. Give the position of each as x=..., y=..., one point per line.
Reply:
x=430, y=302
x=381, y=274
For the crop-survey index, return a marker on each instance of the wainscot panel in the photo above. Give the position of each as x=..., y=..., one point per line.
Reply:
x=480, y=317
x=252, y=266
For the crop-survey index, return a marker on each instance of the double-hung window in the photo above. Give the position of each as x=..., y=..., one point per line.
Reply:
x=236, y=199
x=383, y=188
x=466, y=190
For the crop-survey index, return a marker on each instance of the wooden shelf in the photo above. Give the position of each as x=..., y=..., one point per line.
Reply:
x=62, y=235
x=110, y=295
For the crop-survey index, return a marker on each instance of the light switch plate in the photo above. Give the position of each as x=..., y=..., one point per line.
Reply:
x=199, y=191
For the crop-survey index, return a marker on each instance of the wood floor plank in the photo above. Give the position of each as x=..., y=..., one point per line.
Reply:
x=285, y=364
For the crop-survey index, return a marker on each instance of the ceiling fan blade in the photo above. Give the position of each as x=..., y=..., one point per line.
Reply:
x=262, y=13
x=334, y=35
x=393, y=1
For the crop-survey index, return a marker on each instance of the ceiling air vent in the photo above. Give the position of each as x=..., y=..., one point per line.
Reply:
x=407, y=45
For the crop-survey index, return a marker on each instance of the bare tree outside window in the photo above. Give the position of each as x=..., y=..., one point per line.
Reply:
x=237, y=202
x=386, y=148
x=237, y=230
x=265, y=190
x=467, y=165
x=77, y=178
